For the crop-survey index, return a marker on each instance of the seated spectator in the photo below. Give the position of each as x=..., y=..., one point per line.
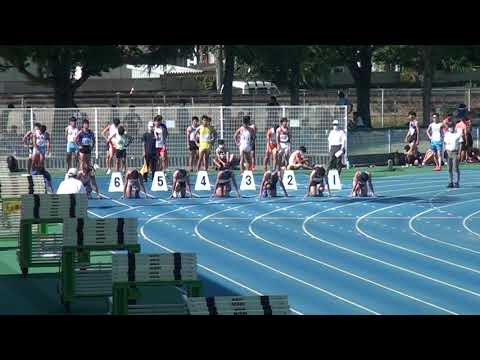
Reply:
x=39, y=169
x=12, y=164
x=223, y=157
x=298, y=160
x=71, y=185
x=411, y=155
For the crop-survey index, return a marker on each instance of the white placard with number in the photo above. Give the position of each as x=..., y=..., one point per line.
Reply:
x=248, y=183
x=334, y=180
x=289, y=180
x=116, y=183
x=202, y=183
x=159, y=182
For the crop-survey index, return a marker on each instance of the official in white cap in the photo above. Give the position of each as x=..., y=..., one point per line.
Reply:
x=337, y=140
x=71, y=185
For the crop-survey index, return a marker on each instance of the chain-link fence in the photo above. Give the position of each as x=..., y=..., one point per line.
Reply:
x=309, y=126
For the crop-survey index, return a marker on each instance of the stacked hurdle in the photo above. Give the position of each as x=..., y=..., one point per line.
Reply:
x=39, y=249
x=239, y=305
x=137, y=270
x=12, y=187
x=86, y=261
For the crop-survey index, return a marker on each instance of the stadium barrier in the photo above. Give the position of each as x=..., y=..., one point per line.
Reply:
x=86, y=258
x=309, y=126
x=43, y=248
x=136, y=271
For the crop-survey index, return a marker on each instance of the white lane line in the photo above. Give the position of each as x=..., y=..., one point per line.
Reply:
x=124, y=210
x=270, y=267
x=250, y=228
x=419, y=253
x=142, y=232
x=410, y=225
x=464, y=223
x=385, y=262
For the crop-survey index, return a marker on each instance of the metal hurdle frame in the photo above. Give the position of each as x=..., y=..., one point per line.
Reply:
x=79, y=277
x=11, y=199
x=239, y=305
x=43, y=249
x=121, y=289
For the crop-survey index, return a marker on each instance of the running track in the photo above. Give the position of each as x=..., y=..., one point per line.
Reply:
x=415, y=249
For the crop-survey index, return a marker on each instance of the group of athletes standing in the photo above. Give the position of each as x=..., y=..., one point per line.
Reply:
x=200, y=138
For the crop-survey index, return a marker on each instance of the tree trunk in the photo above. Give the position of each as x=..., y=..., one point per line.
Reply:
x=219, y=68
x=228, y=77
x=428, y=71
x=362, y=76
x=294, y=84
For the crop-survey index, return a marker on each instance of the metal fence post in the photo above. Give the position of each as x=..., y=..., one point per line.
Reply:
x=283, y=111
x=96, y=135
x=389, y=141
x=478, y=129
x=31, y=118
x=221, y=122
x=469, y=97
x=383, y=93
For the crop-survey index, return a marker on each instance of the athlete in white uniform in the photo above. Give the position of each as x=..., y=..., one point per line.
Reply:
x=284, y=142
x=244, y=137
x=435, y=134
x=71, y=132
x=111, y=129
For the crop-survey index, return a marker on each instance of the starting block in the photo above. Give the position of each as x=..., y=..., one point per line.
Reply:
x=116, y=183
x=239, y=305
x=248, y=182
x=159, y=182
x=334, y=182
x=289, y=180
x=153, y=270
x=202, y=183
x=86, y=262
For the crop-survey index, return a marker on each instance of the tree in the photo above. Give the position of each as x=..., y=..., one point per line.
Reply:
x=282, y=64
x=425, y=60
x=55, y=66
x=358, y=59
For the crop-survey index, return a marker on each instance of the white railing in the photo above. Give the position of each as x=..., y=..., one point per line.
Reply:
x=309, y=126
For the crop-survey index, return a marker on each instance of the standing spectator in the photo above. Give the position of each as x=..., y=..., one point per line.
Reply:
x=343, y=101
x=452, y=141
x=435, y=134
x=206, y=136
x=337, y=140
x=192, y=147
x=161, y=136
x=284, y=142
x=412, y=137
x=149, y=149
x=131, y=121
x=464, y=125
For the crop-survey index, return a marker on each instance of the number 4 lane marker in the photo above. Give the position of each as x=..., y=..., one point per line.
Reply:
x=202, y=183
